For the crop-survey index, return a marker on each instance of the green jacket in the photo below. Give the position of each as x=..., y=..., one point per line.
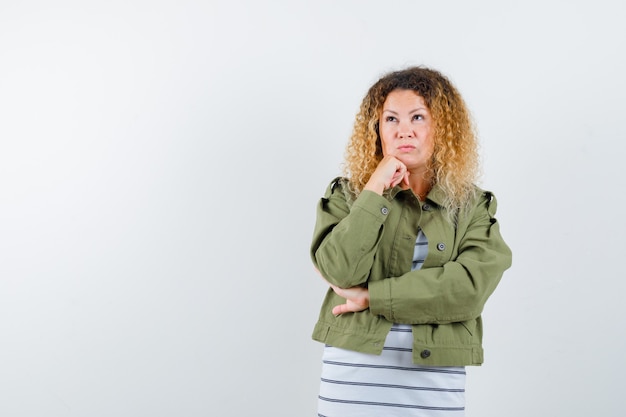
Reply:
x=370, y=242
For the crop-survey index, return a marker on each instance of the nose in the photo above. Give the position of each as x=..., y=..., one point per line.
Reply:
x=405, y=132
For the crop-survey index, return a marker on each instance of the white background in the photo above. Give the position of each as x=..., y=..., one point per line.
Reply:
x=160, y=163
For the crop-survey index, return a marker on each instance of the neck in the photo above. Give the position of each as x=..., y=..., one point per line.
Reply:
x=420, y=184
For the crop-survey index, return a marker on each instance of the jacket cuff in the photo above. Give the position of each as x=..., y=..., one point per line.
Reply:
x=374, y=204
x=380, y=299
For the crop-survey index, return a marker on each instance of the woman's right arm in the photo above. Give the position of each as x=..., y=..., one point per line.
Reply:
x=346, y=237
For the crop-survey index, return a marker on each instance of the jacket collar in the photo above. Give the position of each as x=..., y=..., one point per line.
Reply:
x=435, y=195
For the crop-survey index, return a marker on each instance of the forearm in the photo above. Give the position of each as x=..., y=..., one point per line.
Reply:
x=435, y=295
x=455, y=291
x=343, y=249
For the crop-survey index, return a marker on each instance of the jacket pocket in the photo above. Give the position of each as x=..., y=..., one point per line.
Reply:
x=470, y=326
x=457, y=334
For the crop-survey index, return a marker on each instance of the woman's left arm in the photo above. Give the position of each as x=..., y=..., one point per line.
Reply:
x=455, y=291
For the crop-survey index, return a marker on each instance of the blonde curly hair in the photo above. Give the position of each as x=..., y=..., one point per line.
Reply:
x=454, y=164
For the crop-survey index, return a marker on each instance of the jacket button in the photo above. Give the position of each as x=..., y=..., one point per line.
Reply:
x=426, y=207
x=441, y=246
x=384, y=210
x=425, y=353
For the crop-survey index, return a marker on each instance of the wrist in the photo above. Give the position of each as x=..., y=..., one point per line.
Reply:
x=374, y=186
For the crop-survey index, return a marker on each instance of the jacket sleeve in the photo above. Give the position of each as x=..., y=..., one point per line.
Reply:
x=346, y=237
x=457, y=290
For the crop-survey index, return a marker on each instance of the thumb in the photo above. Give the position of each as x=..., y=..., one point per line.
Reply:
x=340, y=309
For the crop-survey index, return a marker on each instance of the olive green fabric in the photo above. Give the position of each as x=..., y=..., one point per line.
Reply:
x=370, y=241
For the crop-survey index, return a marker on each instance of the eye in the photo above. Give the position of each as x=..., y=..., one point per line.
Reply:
x=390, y=119
x=418, y=117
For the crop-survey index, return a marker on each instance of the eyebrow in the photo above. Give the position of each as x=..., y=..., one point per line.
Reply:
x=412, y=111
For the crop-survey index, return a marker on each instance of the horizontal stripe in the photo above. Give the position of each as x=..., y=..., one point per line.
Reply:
x=401, y=329
x=370, y=384
x=446, y=370
x=380, y=404
x=398, y=349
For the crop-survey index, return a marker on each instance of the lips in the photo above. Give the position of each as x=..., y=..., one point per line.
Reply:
x=406, y=148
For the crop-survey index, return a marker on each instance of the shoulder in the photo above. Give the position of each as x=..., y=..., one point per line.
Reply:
x=338, y=186
x=485, y=199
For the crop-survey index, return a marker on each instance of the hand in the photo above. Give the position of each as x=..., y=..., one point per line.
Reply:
x=389, y=173
x=357, y=298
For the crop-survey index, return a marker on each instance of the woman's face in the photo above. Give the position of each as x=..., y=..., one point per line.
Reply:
x=406, y=129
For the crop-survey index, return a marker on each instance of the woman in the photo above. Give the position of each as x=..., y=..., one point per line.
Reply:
x=411, y=250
